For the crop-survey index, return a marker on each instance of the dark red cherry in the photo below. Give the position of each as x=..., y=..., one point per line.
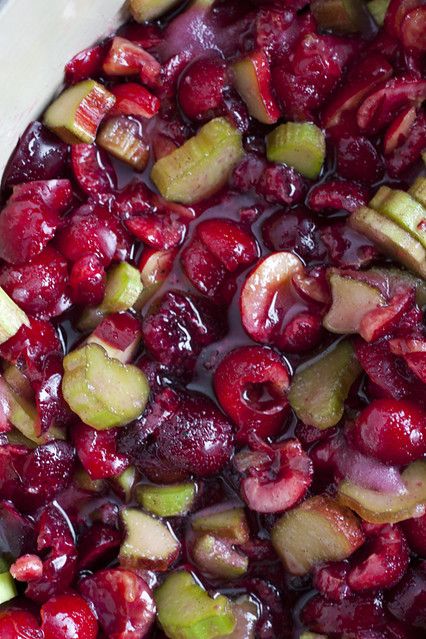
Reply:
x=201, y=86
x=68, y=616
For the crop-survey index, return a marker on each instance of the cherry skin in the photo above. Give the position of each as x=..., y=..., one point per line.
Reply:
x=392, y=431
x=68, y=616
x=201, y=87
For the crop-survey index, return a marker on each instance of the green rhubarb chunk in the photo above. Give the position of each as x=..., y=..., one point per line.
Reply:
x=124, y=483
x=102, y=391
x=298, y=144
x=123, y=138
x=378, y=9
x=405, y=211
x=320, y=388
x=76, y=114
x=8, y=589
x=173, y=500
x=11, y=317
x=123, y=288
x=351, y=300
x=229, y=523
x=339, y=16
x=143, y=10
x=418, y=190
x=202, y=165
x=218, y=558
x=186, y=611
x=18, y=382
x=391, y=239
x=398, y=276
x=312, y=635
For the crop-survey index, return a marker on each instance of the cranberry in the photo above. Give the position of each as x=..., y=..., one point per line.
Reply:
x=68, y=616
x=331, y=580
x=88, y=281
x=415, y=532
x=38, y=285
x=392, y=431
x=250, y=384
x=357, y=159
x=92, y=169
x=200, y=91
x=280, y=184
x=123, y=603
x=19, y=624
x=97, y=451
x=407, y=601
x=349, y=615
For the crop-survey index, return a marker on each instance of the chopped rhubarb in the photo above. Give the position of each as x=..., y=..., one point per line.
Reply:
x=119, y=334
x=218, y=558
x=339, y=16
x=123, y=137
x=11, y=317
x=403, y=210
x=418, y=190
x=300, y=145
x=123, y=288
x=378, y=9
x=7, y=587
x=174, y=500
x=128, y=58
x=252, y=80
x=227, y=522
x=133, y=99
x=143, y=10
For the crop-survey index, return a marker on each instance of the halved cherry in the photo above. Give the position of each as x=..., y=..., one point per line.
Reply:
x=413, y=350
x=97, y=451
x=159, y=230
x=383, y=319
x=86, y=64
x=207, y=273
x=396, y=13
x=133, y=99
x=413, y=29
x=397, y=133
x=17, y=623
x=415, y=532
x=350, y=615
x=68, y=616
x=93, y=169
x=201, y=86
x=251, y=384
x=313, y=285
x=337, y=195
x=231, y=244
x=409, y=152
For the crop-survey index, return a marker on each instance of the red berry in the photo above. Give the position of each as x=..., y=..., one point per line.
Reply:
x=358, y=160
x=19, y=624
x=201, y=86
x=92, y=169
x=88, y=281
x=415, y=532
x=68, y=616
x=301, y=334
x=407, y=601
x=97, y=451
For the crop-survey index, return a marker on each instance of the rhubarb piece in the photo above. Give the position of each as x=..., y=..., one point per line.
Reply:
x=247, y=614
x=7, y=587
x=399, y=130
x=122, y=289
x=174, y=500
x=252, y=80
x=404, y=210
x=154, y=266
x=123, y=138
x=391, y=239
x=133, y=99
x=339, y=16
x=319, y=389
x=103, y=392
x=228, y=523
x=316, y=531
x=312, y=635
x=148, y=544
x=202, y=165
x=418, y=190
x=143, y=10
x=123, y=484
x=119, y=334
x=351, y=300
x=77, y=113
x=128, y=58
x=186, y=611
x=11, y=317
x=218, y=558
x=298, y=144
x=378, y=9
x=384, y=507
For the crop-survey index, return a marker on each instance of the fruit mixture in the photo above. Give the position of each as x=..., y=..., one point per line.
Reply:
x=212, y=335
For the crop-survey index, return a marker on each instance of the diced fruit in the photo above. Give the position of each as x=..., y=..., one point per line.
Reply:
x=11, y=317
x=316, y=531
x=201, y=166
x=252, y=80
x=103, y=392
x=391, y=239
x=128, y=58
x=119, y=334
x=7, y=587
x=413, y=30
x=312, y=635
x=378, y=9
x=201, y=87
x=319, y=389
x=404, y=210
x=133, y=99
x=418, y=190
x=351, y=300
x=414, y=353
x=149, y=543
x=387, y=508
x=123, y=138
x=77, y=113
x=143, y=10
x=186, y=611
x=300, y=145
x=122, y=289
x=217, y=558
x=173, y=500
x=339, y=16
x=227, y=523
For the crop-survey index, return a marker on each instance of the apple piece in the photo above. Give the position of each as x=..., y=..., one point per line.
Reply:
x=390, y=238
x=123, y=484
x=320, y=387
x=8, y=589
x=174, y=500
x=186, y=611
x=252, y=79
x=318, y=530
x=351, y=300
x=103, y=392
x=149, y=543
x=404, y=210
x=119, y=334
x=388, y=508
x=418, y=190
x=202, y=165
x=128, y=58
x=297, y=144
x=76, y=114
x=11, y=317
x=225, y=522
x=143, y=10
x=123, y=138
x=122, y=289
x=378, y=9
x=339, y=16
x=218, y=558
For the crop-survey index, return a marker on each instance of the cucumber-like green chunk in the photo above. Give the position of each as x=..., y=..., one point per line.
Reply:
x=122, y=289
x=186, y=611
x=405, y=211
x=11, y=317
x=298, y=144
x=7, y=587
x=103, y=392
x=202, y=165
x=319, y=389
x=172, y=500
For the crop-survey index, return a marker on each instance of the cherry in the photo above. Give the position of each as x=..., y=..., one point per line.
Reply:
x=205, y=271
x=335, y=195
x=159, y=230
x=415, y=532
x=331, y=580
x=97, y=451
x=407, y=601
x=68, y=616
x=16, y=623
x=92, y=169
x=86, y=64
x=87, y=281
x=48, y=470
x=302, y=333
x=98, y=545
x=349, y=615
x=228, y=242
x=200, y=91
x=281, y=184
x=392, y=431
x=294, y=230
x=357, y=159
